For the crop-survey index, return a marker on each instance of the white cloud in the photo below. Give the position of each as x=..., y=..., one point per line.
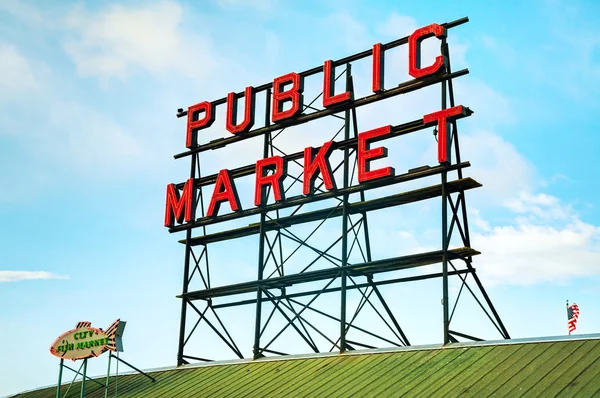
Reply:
x=16, y=74
x=497, y=164
x=475, y=217
x=117, y=39
x=529, y=253
x=533, y=237
x=541, y=206
x=15, y=276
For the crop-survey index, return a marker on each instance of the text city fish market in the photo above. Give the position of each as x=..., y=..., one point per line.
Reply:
x=287, y=91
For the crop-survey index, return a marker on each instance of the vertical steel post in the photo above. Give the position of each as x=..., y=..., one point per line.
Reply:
x=60, y=369
x=345, y=217
x=362, y=193
x=83, y=379
x=445, y=259
x=261, y=240
x=186, y=273
x=467, y=240
x=445, y=242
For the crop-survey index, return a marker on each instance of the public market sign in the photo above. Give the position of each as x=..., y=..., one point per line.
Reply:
x=85, y=341
x=285, y=108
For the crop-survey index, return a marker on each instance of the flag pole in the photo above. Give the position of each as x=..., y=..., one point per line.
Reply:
x=568, y=317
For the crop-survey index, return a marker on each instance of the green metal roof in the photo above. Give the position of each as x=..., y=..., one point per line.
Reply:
x=562, y=367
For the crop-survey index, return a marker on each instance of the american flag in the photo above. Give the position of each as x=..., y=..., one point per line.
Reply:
x=573, y=315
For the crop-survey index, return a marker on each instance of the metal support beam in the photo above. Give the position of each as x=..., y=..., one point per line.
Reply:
x=132, y=367
x=465, y=336
x=445, y=234
x=186, y=280
x=78, y=373
x=261, y=245
x=345, y=220
x=83, y=378
x=60, y=370
x=107, y=376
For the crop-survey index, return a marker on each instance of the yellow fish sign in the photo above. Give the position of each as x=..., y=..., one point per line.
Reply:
x=85, y=341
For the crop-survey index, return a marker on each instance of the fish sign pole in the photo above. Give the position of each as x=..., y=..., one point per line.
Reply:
x=83, y=378
x=107, y=377
x=62, y=361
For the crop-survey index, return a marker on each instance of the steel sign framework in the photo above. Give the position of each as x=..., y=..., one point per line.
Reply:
x=289, y=293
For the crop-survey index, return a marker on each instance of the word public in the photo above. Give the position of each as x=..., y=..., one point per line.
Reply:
x=287, y=103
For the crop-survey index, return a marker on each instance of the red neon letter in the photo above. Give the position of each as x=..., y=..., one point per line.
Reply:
x=191, y=139
x=365, y=155
x=414, y=51
x=275, y=180
x=313, y=163
x=329, y=87
x=378, y=62
x=442, y=118
x=232, y=127
x=224, y=192
x=175, y=204
x=294, y=94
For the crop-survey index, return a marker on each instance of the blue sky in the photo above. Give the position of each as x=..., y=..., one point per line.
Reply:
x=88, y=94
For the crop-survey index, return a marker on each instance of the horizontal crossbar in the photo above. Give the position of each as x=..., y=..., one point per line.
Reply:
x=352, y=208
x=362, y=269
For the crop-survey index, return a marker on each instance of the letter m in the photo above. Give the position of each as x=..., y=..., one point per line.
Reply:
x=178, y=206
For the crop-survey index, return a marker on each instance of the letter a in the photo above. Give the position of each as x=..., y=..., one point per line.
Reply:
x=225, y=191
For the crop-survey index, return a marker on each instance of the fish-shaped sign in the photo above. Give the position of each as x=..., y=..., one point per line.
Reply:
x=85, y=341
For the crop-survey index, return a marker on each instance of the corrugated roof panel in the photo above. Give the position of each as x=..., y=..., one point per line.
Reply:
x=488, y=382
x=397, y=386
x=286, y=374
x=203, y=379
x=146, y=388
x=341, y=373
x=369, y=375
x=251, y=376
x=586, y=383
x=462, y=367
x=565, y=368
x=525, y=380
x=210, y=379
x=167, y=382
x=574, y=363
x=387, y=374
x=310, y=377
